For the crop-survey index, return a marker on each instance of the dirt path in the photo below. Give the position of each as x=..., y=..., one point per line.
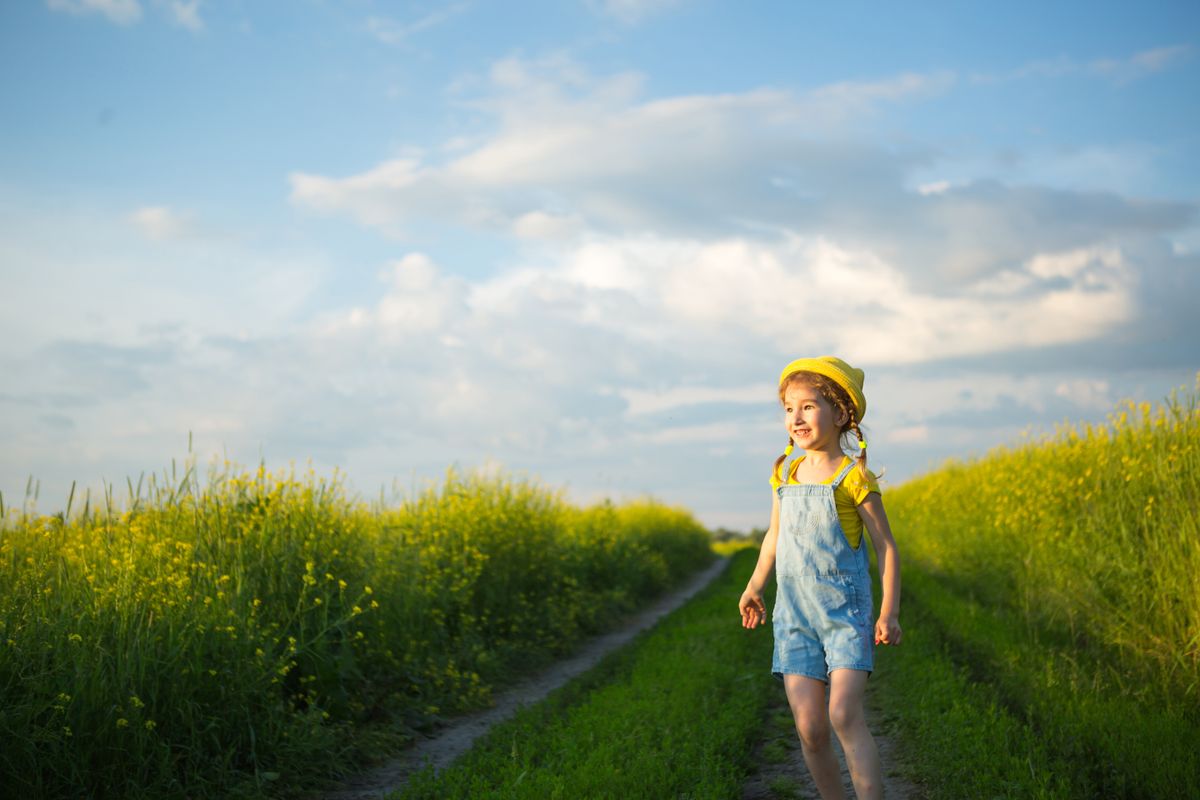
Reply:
x=455, y=739
x=782, y=774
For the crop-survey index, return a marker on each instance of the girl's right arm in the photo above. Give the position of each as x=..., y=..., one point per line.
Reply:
x=751, y=605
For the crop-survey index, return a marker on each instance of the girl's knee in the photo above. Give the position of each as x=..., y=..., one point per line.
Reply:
x=845, y=715
x=813, y=730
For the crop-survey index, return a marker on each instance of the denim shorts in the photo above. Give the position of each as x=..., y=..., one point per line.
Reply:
x=823, y=623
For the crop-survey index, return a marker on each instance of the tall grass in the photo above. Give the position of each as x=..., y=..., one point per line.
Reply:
x=1061, y=574
x=1094, y=531
x=239, y=637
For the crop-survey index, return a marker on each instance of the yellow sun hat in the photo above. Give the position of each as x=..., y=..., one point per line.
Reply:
x=839, y=372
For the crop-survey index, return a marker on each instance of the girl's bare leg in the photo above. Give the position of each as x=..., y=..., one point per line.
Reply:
x=846, y=689
x=806, y=696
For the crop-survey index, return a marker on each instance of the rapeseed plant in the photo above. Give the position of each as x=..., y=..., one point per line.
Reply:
x=1093, y=530
x=1060, y=576
x=229, y=637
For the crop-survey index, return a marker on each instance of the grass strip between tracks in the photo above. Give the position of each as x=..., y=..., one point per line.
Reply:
x=675, y=714
x=985, y=707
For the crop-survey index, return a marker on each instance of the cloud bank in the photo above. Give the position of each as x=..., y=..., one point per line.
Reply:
x=664, y=256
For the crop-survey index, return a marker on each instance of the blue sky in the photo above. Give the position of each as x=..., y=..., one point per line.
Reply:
x=579, y=239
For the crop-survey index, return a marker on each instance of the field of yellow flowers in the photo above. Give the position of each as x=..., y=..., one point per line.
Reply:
x=1056, y=582
x=257, y=633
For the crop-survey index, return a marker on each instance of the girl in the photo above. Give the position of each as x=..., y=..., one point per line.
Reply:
x=822, y=614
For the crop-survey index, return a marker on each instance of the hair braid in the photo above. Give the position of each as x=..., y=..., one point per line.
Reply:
x=862, y=449
x=787, y=451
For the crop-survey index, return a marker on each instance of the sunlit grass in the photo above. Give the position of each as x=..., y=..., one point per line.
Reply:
x=239, y=635
x=1060, y=576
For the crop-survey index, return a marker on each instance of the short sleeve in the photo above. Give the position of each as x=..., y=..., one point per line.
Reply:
x=775, y=478
x=857, y=488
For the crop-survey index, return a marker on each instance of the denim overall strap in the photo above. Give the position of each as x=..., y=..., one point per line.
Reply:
x=836, y=482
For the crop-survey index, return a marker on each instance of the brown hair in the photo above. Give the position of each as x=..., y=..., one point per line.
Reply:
x=837, y=397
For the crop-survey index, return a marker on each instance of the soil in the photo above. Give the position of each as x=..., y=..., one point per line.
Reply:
x=456, y=738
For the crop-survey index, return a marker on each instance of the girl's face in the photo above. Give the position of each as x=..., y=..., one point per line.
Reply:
x=811, y=420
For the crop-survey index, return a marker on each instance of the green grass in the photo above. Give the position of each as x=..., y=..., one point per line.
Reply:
x=255, y=635
x=1051, y=615
x=1069, y=719
x=675, y=714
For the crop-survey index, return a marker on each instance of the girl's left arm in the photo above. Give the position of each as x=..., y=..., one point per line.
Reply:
x=887, y=629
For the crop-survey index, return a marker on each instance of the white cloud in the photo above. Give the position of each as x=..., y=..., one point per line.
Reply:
x=1071, y=264
x=121, y=279
x=159, y=222
x=1120, y=71
x=182, y=13
x=632, y=11
x=418, y=299
x=122, y=12
x=572, y=155
x=394, y=32
x=1139, y=65
x=861, y=96
x=934, y=187
x=706, y=435
x=186, y=14
x=543, y=226
x=573, y=147
x=729, y=298
x=1091, y=394
x=911, y=434
x=654, y=401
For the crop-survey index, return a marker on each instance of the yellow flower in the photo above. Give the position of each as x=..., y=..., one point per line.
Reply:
x=122, y=723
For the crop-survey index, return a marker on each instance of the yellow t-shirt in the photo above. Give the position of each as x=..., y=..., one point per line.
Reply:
x=846, y=497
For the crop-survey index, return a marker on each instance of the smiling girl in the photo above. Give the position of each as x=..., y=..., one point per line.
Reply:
x=824, y=637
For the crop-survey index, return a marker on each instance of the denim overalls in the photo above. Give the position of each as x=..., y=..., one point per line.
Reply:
x=822, y=615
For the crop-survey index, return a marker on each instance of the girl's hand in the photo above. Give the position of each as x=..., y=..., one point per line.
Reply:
x=887, y=630
x=752, y=608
